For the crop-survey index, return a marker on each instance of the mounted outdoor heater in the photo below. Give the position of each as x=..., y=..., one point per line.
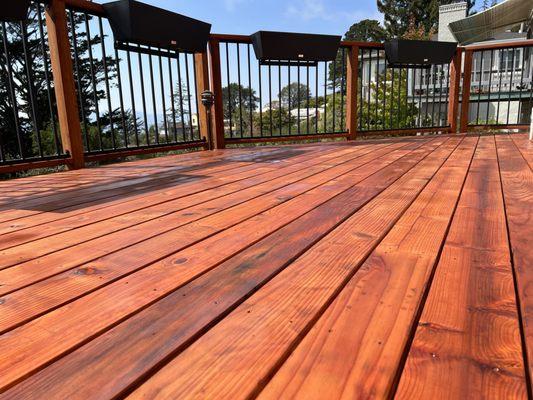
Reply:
x=14, y=10
x=137, y=23
x=418, y=53
x=282, y=48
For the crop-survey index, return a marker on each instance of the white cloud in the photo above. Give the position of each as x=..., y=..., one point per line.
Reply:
x=316, y=9
x=231, y=5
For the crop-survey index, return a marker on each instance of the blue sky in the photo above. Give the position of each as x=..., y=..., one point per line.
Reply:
x=247, y=16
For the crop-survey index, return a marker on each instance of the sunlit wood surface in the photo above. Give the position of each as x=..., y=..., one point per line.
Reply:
x=347, y=270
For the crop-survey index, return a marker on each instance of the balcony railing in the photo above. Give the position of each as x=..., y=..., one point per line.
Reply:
x=69, y=94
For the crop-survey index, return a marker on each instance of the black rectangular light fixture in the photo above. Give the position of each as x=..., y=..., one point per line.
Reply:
x=283, y=48
x=143, y=24
x=14, y=10
x=418, y=53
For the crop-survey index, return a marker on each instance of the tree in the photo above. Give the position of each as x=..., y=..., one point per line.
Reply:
x=239, y=101
x=367, y=30
x=295, y=95
x=276, y=121
x=388, y=106
x=400, y=14
x=14, y=78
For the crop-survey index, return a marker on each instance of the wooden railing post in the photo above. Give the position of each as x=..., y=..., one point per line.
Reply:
x=352, y=73
x=65, y=89
x=216, y=87
x=455, y=90
x=465, y=99
x=202, y=84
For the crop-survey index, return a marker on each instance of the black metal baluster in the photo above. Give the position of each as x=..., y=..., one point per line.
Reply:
x=289, y=98
x=163, y=101
x=196, y=101
x=316, y=99
x=307, y=93
x=360, y=91
x=79, y=82
x=384, y=104
x=154, y=106
x=325, y=96
x=343, y=81
x=518, y=120
x=399, y=113
x=480, y=86
x=511, y=85
x=121, y=99
x=250, y=100
x=420, y=83
x=369, y=96
x=427, y=80
x=31, y=88
x=440, y=78
x=12, y=93
x=143, y=98
x=334, y=90
x=270, y=100
x=490, y=87
x=172, y=98
x=298, y=95
x=189, y=95
x=93, y=80
x=391, y=116
x=501, y=69
x=239, y=88
x=376, y=89
x=260, y=100
x=106, y=80
x=279, y=100
x=48, y=81
x=132, y=97
x=181, y=94
x=229, y=91
x=434, y=84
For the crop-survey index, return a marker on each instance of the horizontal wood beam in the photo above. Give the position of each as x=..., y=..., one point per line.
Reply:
x=143, y=150
x=287, y=138
x=26, y=166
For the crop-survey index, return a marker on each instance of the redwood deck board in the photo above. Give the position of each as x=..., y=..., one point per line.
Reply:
x=325, y=271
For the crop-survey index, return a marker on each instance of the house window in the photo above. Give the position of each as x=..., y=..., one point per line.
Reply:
x=506, y=60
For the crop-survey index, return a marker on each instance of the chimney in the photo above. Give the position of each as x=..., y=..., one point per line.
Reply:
x=450, y=13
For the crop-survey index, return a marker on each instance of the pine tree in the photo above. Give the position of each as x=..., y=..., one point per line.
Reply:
x=399, y=14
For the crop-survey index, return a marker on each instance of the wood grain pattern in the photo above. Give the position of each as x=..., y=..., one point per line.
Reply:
x=372, y=317
x=468, y=344
x=271, y=322
x=101, y=309
x=238, y=274
x=299, y=271
x=517, y=184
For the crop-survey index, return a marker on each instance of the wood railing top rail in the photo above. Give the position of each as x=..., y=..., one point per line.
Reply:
x=88, y=6
x=503, y=45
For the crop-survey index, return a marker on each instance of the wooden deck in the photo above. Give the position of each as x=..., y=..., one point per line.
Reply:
x=398, y=268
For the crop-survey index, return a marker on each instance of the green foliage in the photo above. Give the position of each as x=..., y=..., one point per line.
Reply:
x=240, y=104
x=275, y=120
x=389, y=106
x=367, y=30
x=295, y=95
x=36, y=89
x=399, y=15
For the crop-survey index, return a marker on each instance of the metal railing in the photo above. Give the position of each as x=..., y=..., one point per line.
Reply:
x=280, y=100
x=130, y=96
x=70, y=94
x=396, y=99
x=501, y=89
x=29, y=129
